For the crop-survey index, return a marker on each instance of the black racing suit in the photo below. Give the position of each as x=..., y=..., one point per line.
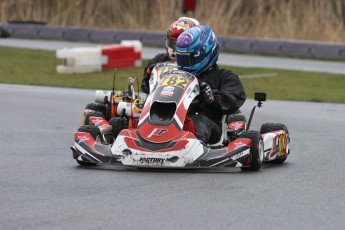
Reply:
x=229, y=96
x=163, y=57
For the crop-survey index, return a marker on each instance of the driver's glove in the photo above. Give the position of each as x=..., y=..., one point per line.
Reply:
x=148, y=70
x=145, y=82
x=206, y=93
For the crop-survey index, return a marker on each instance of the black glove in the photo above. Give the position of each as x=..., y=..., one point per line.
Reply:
x=148, y=70
x=206, y=93
x=145, y=82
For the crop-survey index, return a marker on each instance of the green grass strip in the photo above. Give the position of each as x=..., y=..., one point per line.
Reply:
x=34, y=67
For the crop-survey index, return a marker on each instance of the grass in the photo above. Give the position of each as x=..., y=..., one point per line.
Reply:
x=36, y=67
x=33, y=67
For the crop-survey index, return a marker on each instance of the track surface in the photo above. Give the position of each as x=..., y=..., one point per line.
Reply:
x=42, y=187
x=225, y=59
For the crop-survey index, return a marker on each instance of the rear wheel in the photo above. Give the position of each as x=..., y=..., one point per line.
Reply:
x=96, y=134
x=118, y=124
x=92, y=114
x=236, y=117
x=270, y=127
x=256, y=149
x=97, y=107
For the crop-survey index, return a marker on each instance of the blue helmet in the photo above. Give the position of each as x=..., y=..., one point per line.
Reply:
x=197, y=49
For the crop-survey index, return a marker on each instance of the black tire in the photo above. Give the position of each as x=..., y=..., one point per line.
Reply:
x=269, y=127
x=118, y=124
x=236, y=117
x=96, y=134
x=256, y=149
x=97, y=107
x=92, y=114
x=84, y=163
x=93, y=130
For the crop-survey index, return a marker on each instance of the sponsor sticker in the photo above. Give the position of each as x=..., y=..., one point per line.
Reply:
x=237, y=156
x=157, y=132
x=239, y=145
x=82, y=139
x=281, y=144
x=168, y=91
x=151, y=160
x=96, y=121
x=189, y=90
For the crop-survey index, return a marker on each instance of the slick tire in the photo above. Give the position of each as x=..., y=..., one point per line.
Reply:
x=118, y=124
x=256, y=149
x=236, y=117
x=92, y=114
x=269, y=127
x=97, y=107
x=96, y=134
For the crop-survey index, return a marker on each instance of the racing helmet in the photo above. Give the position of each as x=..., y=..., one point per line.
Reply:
x=174, y=30
x=197, y=50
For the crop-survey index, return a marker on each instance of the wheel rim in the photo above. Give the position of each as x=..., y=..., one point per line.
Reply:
x=261, y=151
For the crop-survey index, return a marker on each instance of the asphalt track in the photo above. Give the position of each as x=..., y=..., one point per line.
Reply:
x=42, y=187
x=225, y=59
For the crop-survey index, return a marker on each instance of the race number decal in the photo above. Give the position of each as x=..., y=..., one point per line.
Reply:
x=175, y=81
x=166, y=69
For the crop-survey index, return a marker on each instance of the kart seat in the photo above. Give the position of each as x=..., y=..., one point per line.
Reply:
x=224, y=134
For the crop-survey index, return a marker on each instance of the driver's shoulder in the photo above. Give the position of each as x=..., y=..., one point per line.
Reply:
x=161, y=57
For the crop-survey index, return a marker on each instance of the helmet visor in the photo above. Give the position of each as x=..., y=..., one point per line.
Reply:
x=189, y=59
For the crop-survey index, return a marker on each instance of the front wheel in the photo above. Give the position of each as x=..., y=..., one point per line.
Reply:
x=256, y=149
x=271, y=127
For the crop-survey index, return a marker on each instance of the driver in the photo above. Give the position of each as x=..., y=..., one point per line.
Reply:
x=221, y=91
x=174, y=30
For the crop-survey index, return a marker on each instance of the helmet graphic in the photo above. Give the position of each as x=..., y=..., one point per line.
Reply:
x=197, y=49
x=175, y=29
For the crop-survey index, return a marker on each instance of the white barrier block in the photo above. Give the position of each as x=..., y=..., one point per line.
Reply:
x=101, y=58
x=80, y=60
x=138, y=46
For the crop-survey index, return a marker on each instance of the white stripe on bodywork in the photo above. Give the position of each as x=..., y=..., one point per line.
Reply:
x=177, y=119
x=234, y=157
x=268, y=144
x=144, y=118
x=192, y=151
x=83, y=151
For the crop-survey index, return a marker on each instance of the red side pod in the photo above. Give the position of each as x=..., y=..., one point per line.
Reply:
x=158, y=134
x=180, y=142
x=240, y=142
x=98, y=121
x=83, y=137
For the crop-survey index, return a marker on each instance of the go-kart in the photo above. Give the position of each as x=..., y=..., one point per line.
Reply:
x=150, y=132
